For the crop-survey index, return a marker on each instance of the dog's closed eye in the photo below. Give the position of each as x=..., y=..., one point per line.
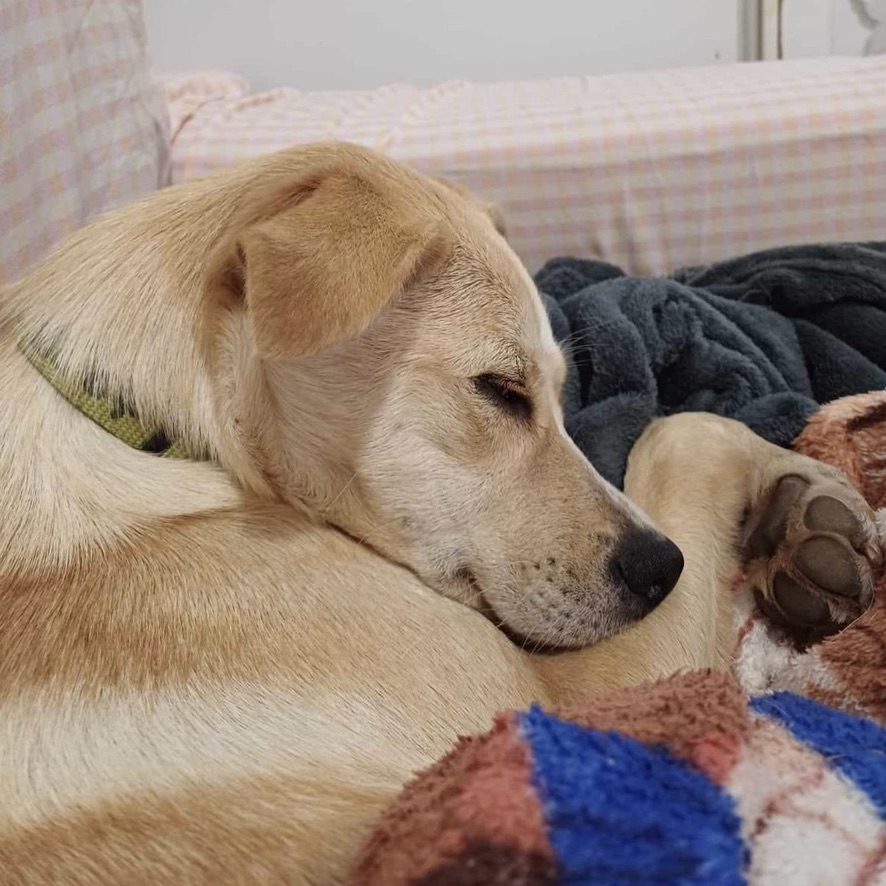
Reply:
x=504, y=393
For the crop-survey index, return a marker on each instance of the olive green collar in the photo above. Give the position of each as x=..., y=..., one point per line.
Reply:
x=109, y=414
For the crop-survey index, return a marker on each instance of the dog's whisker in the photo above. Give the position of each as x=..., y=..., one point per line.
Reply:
x=571, y=338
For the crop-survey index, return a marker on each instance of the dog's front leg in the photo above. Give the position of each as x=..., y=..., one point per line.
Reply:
x=730, y=500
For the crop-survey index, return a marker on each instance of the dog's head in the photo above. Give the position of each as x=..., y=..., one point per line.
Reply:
x=391, y=367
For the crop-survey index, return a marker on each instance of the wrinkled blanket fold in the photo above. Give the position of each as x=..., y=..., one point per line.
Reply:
x=765, y=339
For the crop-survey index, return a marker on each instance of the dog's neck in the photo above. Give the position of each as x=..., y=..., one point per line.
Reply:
x=70, y=487
x=140, y=330
x=108, y=307
x=134, y=326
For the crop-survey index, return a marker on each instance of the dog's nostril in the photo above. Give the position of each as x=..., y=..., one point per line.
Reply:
x=648, y=563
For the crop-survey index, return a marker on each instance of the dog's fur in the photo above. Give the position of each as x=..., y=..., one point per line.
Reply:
x=220, y=671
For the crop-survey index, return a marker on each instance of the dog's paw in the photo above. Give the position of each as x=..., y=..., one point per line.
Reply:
x=813, y=552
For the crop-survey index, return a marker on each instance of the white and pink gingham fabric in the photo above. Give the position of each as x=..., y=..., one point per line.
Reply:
x=651, y=171
x=83, y=127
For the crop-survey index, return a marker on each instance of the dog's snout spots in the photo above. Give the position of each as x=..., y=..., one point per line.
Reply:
x=648, y=564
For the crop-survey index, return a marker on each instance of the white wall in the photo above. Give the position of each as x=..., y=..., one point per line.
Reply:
x=815, y=28
x=340, y=44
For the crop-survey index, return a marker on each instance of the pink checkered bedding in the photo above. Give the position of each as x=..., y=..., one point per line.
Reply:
x=650, y=171
x=83, y=126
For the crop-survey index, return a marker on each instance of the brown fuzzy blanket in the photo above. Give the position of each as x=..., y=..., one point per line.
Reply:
x=775, y=776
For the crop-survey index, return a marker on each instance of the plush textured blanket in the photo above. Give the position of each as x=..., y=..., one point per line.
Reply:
x=774, y=776
x=763, y=339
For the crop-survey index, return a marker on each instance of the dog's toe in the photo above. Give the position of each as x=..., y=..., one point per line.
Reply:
x=830, y=564
x=825, y=513
x=771, y=522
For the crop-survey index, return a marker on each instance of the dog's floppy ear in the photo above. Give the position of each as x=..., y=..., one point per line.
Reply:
x=326, y=249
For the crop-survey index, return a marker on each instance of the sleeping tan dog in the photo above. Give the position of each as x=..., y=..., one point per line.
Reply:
x=218, y=670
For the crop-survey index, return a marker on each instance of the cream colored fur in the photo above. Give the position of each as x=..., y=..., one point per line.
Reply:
x=219, y=672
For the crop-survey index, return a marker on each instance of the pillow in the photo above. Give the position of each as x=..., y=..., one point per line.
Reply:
x=84, y=126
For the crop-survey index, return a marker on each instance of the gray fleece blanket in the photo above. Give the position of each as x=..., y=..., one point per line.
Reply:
x=764, y=339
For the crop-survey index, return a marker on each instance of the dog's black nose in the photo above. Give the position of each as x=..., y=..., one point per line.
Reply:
x=648, y=563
